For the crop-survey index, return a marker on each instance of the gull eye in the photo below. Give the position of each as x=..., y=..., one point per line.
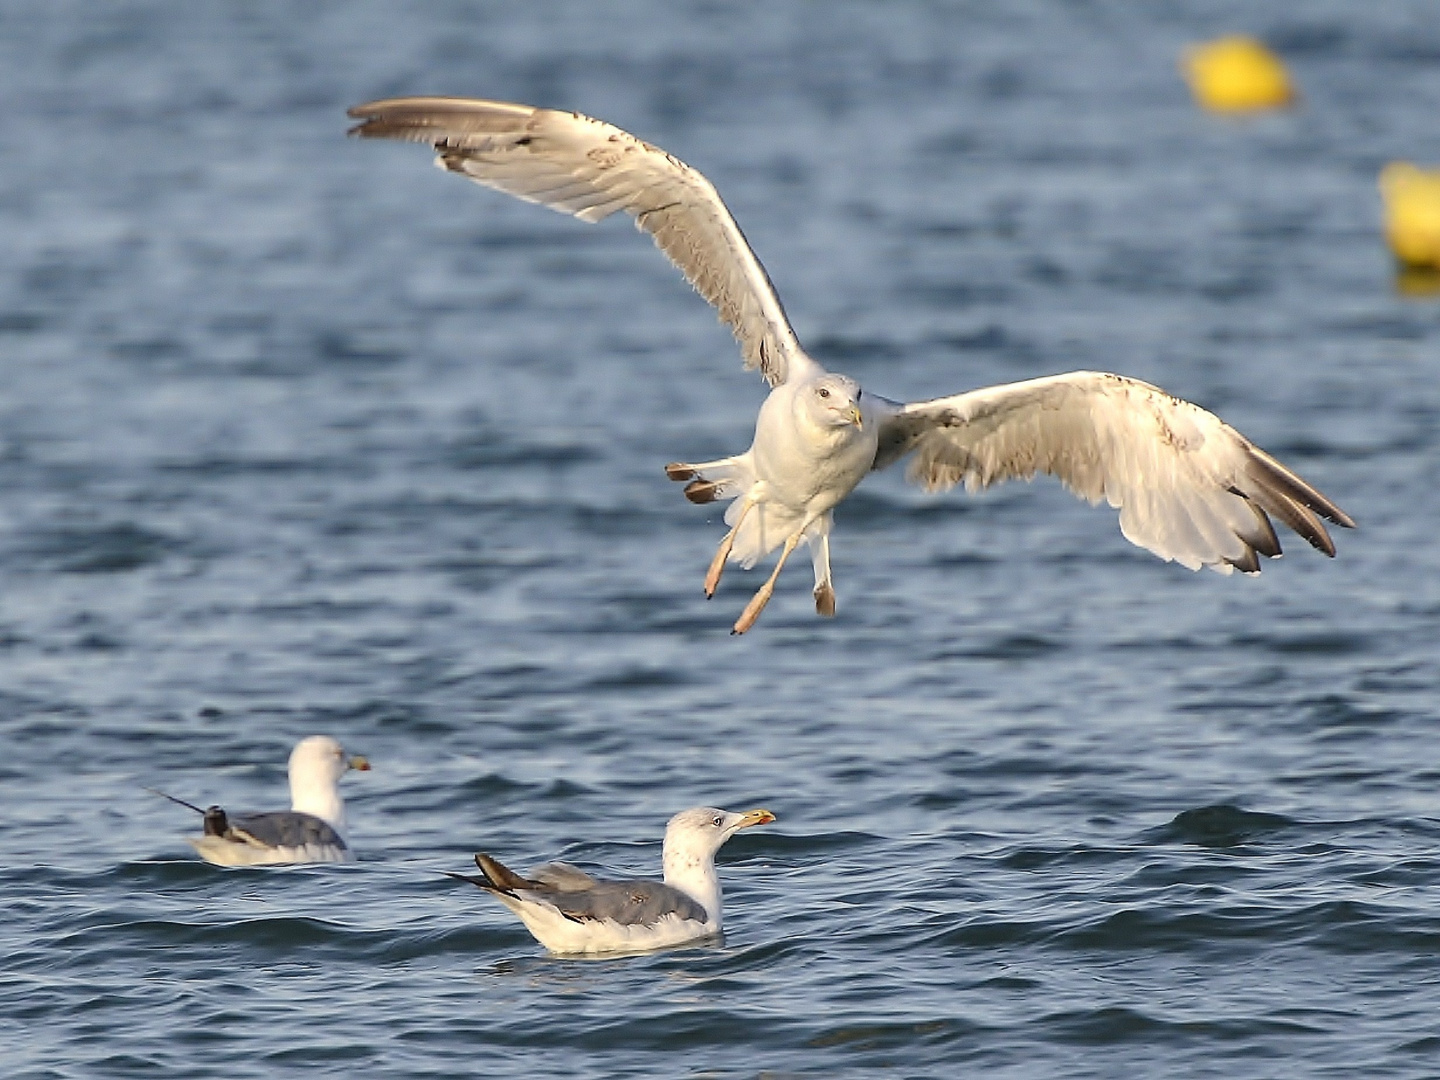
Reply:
x=717, y=821
x=824, y=392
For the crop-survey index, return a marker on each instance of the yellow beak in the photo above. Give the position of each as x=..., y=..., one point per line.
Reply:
x=854, y=416
x=360, y=764
x=755, y=817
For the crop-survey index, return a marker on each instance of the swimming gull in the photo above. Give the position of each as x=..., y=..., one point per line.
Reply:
x=309, y=832
x=1188, y=487
x=569, y=911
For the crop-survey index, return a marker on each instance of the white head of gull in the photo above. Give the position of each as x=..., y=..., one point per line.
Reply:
x=309, y=832
x=1188, y=487
x=570, y=912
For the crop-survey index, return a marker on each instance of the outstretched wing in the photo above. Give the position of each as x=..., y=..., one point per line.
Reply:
x=1189, y=487
x=591, y=169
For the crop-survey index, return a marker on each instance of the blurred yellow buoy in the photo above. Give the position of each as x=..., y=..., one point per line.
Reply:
x=1412, y=213
x=1237, y=74
x=1417, y=282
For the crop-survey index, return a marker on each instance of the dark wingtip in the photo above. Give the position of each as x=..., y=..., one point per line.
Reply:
x=1298, y=491
x=1262, y=538
x=1281, y=493
x=365, y=114
x=376, y=128
x=676, y=471
x=1246, y=563
x=376, y=124
x=498, y=876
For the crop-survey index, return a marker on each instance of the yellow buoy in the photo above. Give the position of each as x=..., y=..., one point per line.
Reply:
x=1417, y=282
x=1412, y=213
x=1237, y=74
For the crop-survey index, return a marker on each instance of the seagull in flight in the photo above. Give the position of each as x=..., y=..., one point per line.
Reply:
x=1189, y=488
x=571, y=912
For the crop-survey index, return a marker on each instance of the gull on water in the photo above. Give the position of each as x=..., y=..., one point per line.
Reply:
x=309, y=832
x=1189, y=487
x=569, y=911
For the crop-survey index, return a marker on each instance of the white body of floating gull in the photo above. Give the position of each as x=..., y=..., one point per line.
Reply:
x=569, y=911
x=1188, y=487
x=311, y=831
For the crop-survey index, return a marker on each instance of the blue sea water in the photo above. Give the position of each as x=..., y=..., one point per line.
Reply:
x=298, y=434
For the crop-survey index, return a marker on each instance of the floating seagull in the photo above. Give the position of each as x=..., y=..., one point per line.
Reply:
x=1189, y=488
x=308, y=832
x=569, y=911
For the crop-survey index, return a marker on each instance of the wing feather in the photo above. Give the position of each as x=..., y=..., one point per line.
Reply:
x=562, y=877
x=1189, y=487
x=579, y=897
x=591, y=169
x=628, y=903
x=282, y=828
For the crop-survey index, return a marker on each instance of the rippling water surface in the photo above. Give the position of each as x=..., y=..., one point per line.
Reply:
x=298, y=434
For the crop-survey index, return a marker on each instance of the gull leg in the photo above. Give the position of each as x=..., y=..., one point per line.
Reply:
x=717, y=564
x=824, y=591
x=762, y=597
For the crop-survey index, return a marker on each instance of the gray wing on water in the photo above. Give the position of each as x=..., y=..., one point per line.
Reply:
x=283, y=828
x=629, y=903
x=582, y=898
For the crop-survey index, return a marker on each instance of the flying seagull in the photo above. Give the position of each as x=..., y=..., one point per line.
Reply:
x=309, y=832
x=569, y=911
x=1189, y=487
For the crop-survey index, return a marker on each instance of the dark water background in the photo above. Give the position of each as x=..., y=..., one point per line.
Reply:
x=298, y=434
